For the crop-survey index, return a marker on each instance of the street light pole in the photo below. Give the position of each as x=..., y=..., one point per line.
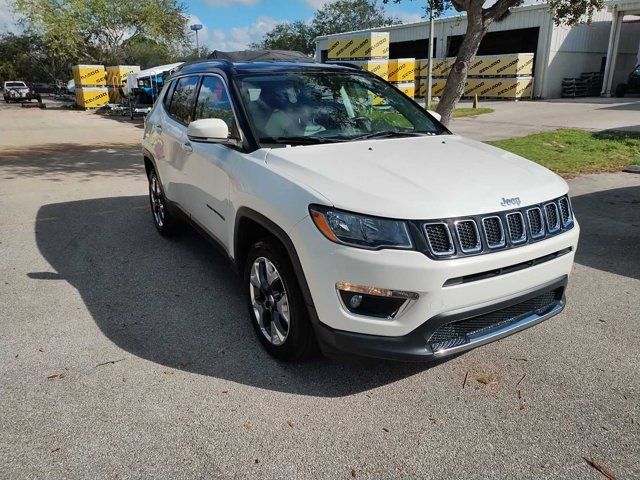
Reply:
x=195, y=28
x=430, y=72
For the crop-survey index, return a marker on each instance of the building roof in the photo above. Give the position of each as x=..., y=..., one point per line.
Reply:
x=425, y=23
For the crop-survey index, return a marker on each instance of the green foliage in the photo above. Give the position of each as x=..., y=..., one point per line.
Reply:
x=334, y=17
x=570, y=12
x=289, y=36
x=573, y=152
x=567, y=12
x=98, y=30
x=347, y=15
x=148, y=53
x=28, y=57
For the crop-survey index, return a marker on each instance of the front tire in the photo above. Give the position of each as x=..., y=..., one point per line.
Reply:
x=276, y=306
x=163, y=219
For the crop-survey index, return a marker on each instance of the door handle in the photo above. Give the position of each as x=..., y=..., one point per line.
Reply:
x=158, y=128
x=187, y=147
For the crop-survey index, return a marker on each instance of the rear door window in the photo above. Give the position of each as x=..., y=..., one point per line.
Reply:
x=183, y=99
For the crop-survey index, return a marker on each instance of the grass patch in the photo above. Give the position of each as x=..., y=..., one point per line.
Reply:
x=469, y=112
x=466, y=111
x=573, y=152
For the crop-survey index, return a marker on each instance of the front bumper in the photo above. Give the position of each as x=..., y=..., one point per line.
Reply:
x=441, y=295
x=415, y=346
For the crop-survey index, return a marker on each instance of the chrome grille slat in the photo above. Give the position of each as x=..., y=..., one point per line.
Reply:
x=439, y=238
x=536, y=222
x=552, y=217
x=565, y=211
x=493, y=231
x=515, y=224
x=468, y=236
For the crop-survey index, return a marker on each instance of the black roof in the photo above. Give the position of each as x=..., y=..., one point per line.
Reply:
x=258, y=61
x=262, y=56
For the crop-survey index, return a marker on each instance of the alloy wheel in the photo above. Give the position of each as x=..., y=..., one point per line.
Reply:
x=269, y=301
x=157, y=201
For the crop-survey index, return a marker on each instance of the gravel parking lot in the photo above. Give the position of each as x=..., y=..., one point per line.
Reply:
x=126, y=355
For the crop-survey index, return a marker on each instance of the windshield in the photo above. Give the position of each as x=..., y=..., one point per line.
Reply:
x=15, y=85
x=311, y=107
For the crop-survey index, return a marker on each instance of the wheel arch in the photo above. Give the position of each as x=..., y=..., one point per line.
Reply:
x=252, y=226
x=149, y=162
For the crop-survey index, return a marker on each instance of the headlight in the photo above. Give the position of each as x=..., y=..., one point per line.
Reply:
x=359, y=230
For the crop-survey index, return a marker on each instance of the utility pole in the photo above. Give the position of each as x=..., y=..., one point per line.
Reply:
x=195, y=28
x=430, y=72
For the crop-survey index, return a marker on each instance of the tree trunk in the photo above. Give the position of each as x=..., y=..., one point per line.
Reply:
x=476, y=28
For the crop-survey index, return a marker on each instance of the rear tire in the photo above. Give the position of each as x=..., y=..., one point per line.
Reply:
x=163, y=219
x=621, y=90
x=276, y=306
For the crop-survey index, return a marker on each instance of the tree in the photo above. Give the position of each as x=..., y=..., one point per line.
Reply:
x=334, y=17
x=289, y=36
x=98, y=30
x=479, y=19
x=347, y=15
x=27, y=56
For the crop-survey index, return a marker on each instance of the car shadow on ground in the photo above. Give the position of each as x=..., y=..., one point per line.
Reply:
x=178, y=302
x=50, y=161
x=610, y=230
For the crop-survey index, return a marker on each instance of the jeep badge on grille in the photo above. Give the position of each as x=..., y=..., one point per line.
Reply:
x=507, y=202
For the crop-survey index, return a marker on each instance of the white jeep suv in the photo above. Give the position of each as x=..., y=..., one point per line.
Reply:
x=358, y=222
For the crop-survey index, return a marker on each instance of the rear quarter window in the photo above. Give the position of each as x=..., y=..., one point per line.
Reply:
x=167, y=96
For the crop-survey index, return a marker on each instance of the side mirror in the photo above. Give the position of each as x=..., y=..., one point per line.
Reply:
x=436, y=115
x=210, y=130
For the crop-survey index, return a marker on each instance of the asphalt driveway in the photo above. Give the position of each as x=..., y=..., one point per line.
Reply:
x=126, y=355
x=516, y=119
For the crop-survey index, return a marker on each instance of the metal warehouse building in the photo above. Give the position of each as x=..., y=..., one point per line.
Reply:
x=610, y=44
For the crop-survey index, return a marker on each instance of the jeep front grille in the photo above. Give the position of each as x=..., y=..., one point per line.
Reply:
x=459, y=237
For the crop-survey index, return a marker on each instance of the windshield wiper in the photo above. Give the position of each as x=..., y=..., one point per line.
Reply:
x=391, y=134
x=302, y=140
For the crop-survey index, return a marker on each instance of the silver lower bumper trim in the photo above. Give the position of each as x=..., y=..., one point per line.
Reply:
x=526, y=322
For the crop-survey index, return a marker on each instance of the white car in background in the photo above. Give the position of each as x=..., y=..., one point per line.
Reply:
x=357, y=221
x=17, y=91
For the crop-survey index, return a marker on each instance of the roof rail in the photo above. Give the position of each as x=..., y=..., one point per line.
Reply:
x=262, y=56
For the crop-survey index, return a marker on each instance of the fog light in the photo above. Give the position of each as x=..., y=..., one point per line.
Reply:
x=374, y=302
x=355, y=301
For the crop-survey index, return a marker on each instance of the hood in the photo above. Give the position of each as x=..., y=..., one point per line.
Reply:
x=418, y=177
